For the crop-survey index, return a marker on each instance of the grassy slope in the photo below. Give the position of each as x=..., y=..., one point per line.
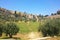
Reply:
x=28, y=27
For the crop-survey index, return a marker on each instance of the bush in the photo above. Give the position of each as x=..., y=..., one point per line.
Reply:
x=50, y=28
x=11, y=29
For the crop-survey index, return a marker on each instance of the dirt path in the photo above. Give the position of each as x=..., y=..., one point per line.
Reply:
x=34, y=36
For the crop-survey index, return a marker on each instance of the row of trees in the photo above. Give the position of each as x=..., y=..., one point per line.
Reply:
x=9, y=29
x=57, y=13
x=51, y=27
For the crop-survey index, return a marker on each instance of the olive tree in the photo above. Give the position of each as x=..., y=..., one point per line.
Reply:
x=11, y=29
x=50, y=27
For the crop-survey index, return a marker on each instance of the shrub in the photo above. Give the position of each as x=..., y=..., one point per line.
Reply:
x=11, y=29
x=50, y=27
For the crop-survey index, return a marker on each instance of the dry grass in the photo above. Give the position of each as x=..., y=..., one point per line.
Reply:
x=25, y=37
x=54, y=38
x=22, y=36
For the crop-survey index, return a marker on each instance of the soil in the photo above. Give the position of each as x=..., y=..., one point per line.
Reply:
x=33, y=36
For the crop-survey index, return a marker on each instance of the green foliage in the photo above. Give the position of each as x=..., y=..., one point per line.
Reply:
x=11, y=29
x=1, y=29
x=51, y=27
x=58, y=12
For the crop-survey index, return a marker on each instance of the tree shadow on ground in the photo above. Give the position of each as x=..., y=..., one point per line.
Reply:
x=11, y=38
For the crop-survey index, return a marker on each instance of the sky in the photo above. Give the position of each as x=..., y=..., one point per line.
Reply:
x=43, y=7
